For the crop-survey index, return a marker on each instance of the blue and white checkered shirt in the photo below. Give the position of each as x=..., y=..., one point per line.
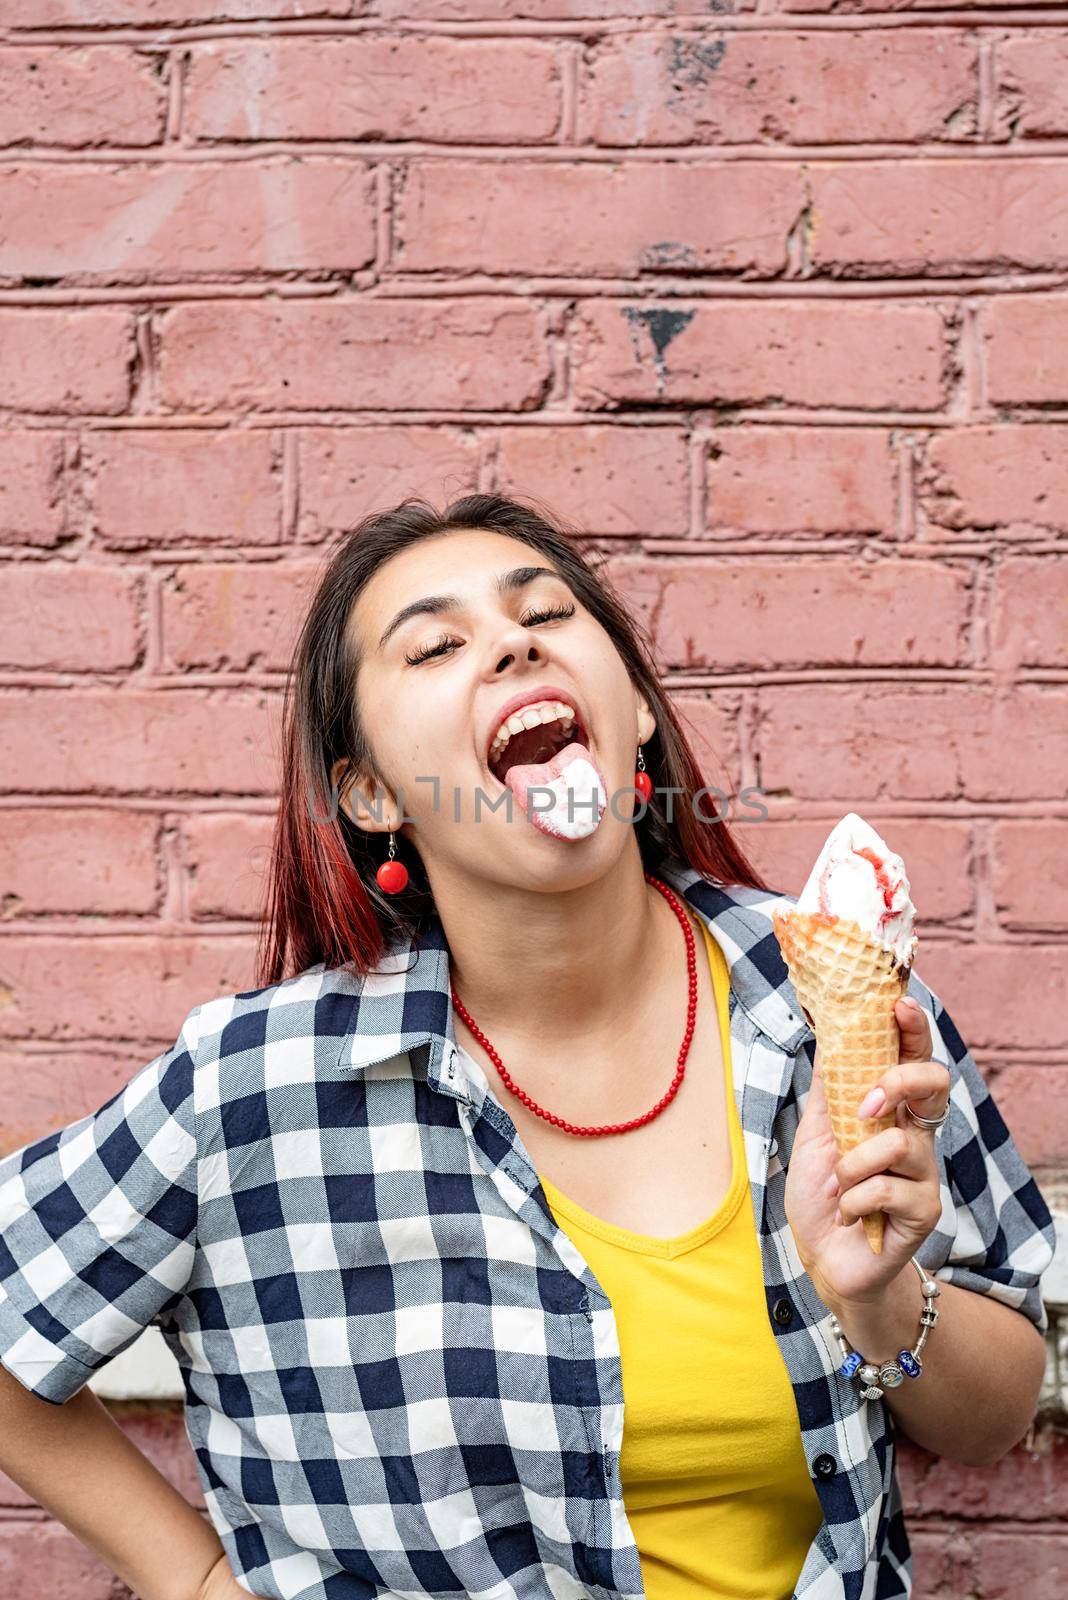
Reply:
x=401, y=1377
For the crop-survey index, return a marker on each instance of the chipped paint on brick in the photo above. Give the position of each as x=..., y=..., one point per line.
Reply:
x=661, y=325
x=668, y=253
x=693, y=60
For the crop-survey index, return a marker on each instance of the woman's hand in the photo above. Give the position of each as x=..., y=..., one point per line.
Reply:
x=895, y=1172
x=220, y=1584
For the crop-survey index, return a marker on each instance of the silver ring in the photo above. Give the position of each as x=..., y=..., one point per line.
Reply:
x=926, y=1122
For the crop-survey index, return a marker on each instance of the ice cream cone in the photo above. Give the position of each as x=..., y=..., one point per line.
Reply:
x=847, y=982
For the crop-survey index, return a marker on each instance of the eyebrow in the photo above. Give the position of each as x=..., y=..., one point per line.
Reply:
x=434, y=604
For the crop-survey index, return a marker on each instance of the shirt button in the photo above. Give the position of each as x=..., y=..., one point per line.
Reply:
x=783, y=1312
x=825, y=1466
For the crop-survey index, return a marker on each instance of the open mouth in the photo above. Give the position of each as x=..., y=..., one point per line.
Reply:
x=538, y=744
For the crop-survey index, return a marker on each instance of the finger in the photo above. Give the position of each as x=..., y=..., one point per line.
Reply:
x=900, y=1150
x=924, y=1084
x=915, y=1030
x=916, y=1204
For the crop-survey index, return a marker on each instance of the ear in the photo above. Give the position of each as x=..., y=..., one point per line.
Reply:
x=372, y=808
x=646, y=720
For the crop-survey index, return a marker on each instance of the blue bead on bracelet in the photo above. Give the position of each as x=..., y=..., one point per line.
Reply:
x=875, y=1379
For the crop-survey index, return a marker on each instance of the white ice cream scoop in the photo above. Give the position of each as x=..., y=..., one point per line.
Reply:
x=857, y=875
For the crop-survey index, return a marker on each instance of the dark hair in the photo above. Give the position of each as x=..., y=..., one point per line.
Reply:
x=323, y=903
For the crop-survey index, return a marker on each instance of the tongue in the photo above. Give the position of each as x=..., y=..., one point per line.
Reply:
x=569, y=792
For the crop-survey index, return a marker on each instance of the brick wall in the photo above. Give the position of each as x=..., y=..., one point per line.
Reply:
x=768, y=295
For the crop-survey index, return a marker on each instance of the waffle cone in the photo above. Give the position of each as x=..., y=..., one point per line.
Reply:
x=847, y=984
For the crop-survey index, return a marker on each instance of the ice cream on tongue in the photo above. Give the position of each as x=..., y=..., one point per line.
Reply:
x=857, y=875
x=576, y=798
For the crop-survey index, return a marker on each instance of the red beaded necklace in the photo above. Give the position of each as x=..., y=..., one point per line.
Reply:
x=680, y=1071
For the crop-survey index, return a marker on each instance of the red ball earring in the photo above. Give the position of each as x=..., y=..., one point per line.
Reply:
x=392, y=876
x=642, y=781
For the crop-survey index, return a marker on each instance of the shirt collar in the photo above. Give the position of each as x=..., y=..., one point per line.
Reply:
x=405, y=1002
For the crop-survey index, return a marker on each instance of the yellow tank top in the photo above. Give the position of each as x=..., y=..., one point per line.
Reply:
x=713, y=1474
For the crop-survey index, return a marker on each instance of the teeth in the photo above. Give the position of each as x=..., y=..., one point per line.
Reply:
x=531, y=717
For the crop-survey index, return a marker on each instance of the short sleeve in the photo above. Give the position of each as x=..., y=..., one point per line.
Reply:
x=995, y=1234
x=98, y=1226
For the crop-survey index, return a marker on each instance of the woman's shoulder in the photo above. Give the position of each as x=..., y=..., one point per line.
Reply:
x=309, y=1014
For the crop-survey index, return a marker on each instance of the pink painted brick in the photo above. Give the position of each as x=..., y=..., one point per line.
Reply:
x=44, y=1086
x=61, y=96
x=1007, y=1565
x=752, y=613
x=921, y=741
x=67, y=361
x=61, y=1566
x=174, y=741
x=1033, y=85
x=1026, y=349
x=390, y=355
x=31, y=499
x=1024, y=1486
x=710, y=723
x=604, y=479
x=1030, y=871
x=161, y=486
x=596, y=217
x=128, y=222
x=239, y=618
x=68, y=617
x=227, y=855
x=374, y=87
x=1002, y=476
x=794, y=352
x=1030, y=627
x=115, y=986
x=781, y=480
x=906, y=218
x=1001, y=996
x=346, y=472
x=939, y=858
x=87, y=13
x=552, y=10
x=96, y=862
x=806, y=88
x=869, y=7
x=940, y=1562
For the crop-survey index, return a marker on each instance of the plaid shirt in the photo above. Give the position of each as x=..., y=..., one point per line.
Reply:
x=401, y=1376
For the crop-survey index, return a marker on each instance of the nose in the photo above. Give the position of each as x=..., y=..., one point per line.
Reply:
x=531, y=653
x=524, y=646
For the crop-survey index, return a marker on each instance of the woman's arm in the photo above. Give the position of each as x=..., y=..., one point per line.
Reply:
x=77, y=1463
x=983, y=1366
x=967, y=1207
x=98, y=1224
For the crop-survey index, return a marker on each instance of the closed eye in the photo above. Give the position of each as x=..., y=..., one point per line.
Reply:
x=532, y=618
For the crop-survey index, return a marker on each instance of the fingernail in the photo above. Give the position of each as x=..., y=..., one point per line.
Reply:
x=872, y=1103
x=832, y=1186
x=913, y=1005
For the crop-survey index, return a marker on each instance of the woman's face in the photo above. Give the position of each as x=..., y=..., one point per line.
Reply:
x=433, y=685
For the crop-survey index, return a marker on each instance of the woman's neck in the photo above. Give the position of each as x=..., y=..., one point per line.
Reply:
x=595, y=963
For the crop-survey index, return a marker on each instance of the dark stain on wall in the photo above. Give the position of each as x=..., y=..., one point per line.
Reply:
x=660, y=325
x=692, y=61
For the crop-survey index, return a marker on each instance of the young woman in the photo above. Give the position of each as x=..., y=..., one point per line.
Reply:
x=500, y=1235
